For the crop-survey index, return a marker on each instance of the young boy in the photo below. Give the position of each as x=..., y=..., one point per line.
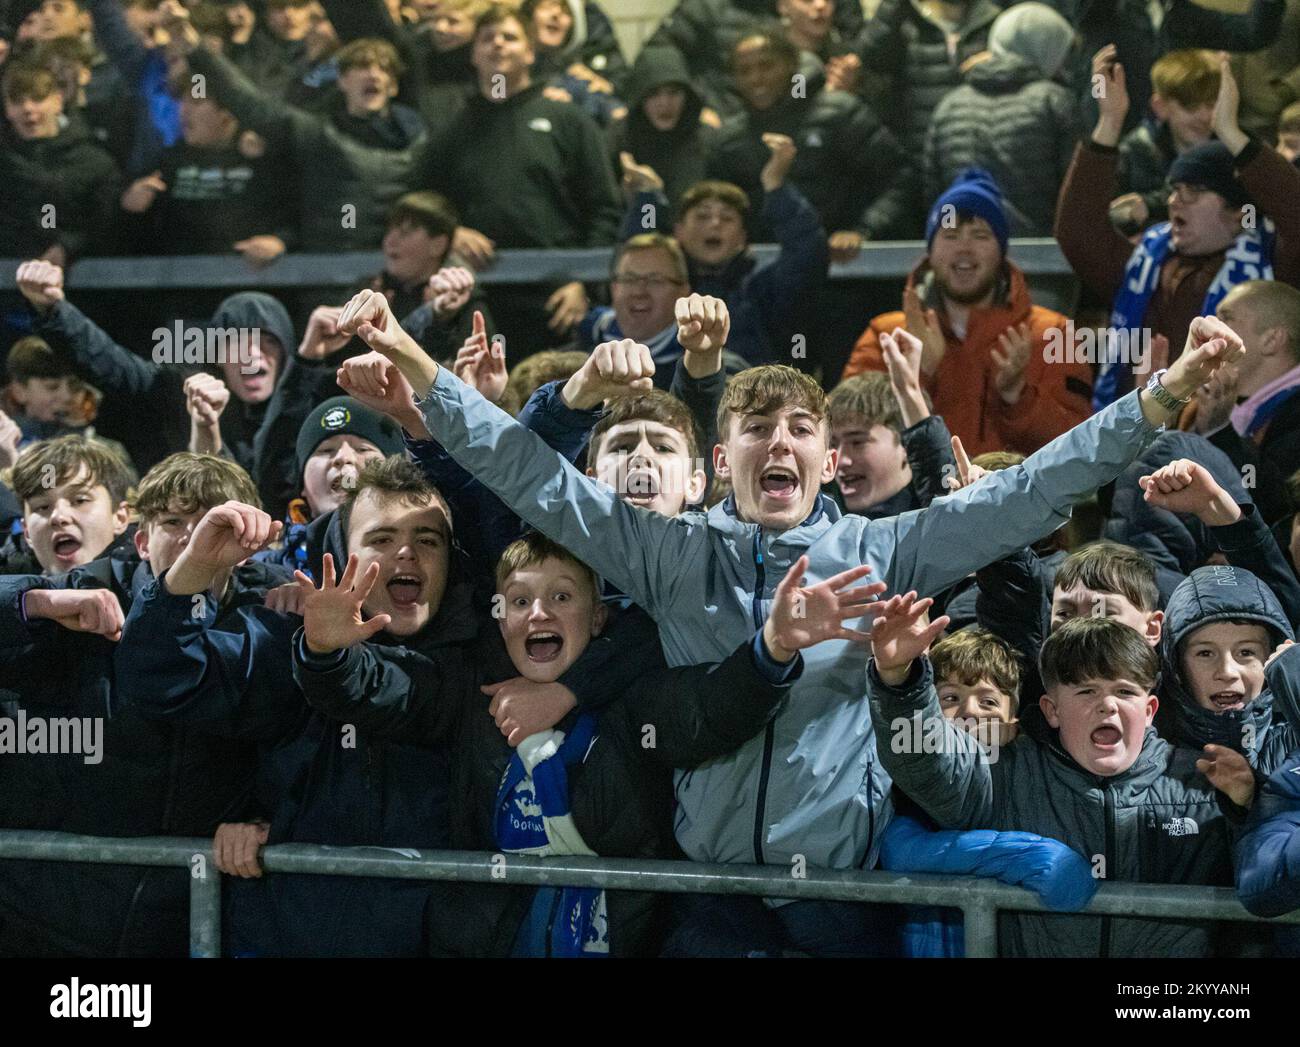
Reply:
x=705, y=578
x=1221, y=626
x=60, y=657
x=874, y=475
x=74, y=496
x=977, y=678
x=39, y=394
x=1184, y=87
x=1129, y=803
x=50, y=168
x=616, y=792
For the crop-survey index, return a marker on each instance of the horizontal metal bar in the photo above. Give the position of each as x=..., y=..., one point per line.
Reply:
x=891, y=259
x=1170, y=901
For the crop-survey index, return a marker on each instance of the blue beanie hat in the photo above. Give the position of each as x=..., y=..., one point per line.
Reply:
x=974, y=192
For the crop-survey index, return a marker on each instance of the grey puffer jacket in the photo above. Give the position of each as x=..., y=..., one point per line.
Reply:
x=905, y=45
x=1227, y=594
x=1158, y=822
x=1020, y=127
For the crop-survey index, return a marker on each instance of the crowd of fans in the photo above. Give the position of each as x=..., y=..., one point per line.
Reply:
x=705, y=562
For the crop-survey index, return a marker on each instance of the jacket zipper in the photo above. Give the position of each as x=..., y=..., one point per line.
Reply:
x=769, y=734
x=1109, y=797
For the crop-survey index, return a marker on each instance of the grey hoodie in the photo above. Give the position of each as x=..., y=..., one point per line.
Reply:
x=1220, y=594
x=811, y=785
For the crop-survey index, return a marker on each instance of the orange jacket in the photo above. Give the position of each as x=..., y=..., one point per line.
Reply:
x=1056, y=397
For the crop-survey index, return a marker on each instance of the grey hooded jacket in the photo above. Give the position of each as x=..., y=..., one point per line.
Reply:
x=1227, y=594
x=1158, y=822
x=811, y=784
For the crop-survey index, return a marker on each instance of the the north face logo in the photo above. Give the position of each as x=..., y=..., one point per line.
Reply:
x=1181, y=827
x=335, y=418
x=540, y=123
x=813, y=139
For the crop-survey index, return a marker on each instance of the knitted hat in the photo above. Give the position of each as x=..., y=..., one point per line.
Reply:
x=1210, y=165
x=972, y=193
x=1035, y=33
x=342, y=414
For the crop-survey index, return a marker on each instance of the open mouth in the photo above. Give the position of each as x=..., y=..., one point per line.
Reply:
x=642, y=487
x=779, y=483
x=66, y=546
x=1106, y=736
x=1226, y=701
x=543, y=647
x=851, y=481
x=404, y=590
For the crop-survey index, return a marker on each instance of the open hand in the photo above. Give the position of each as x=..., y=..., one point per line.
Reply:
x=901, y=634
x=1229, y=772
x=332, y=616
x=924, y=324
x=806, y=615
x=1011, y=362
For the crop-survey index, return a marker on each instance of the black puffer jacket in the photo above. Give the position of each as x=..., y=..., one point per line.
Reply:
x=679, y=156
x=153, y=778
x=705, y=31
x=849, y=165
x=1018, y=126
x=905, y=45
x=68, y=173
x=1227, y=594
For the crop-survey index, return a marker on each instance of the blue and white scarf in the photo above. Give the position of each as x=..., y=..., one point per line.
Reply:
x=534, y=817
x=1249, y=258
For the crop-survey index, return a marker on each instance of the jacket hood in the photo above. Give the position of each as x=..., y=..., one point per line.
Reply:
x=1216, y=594
x=562, y=56
x=254, y=309
x=1003, y=74
x=658, y=67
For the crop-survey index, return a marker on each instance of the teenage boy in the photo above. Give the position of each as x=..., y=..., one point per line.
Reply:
x=61, y=187
x=588, y=787
x=705, y=577
x=147, y=397
x=1093, y=786
x=1184, y=85
x=137, y=776
x=74, y=497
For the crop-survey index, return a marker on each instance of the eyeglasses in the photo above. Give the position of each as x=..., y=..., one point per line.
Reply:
x=1186, y=194
x=653, y=282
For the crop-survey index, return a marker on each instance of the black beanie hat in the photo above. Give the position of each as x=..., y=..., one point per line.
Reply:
x=1210, y=165
x=342, y=414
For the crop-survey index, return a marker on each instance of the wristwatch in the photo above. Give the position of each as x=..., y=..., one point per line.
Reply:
x=1163, y=396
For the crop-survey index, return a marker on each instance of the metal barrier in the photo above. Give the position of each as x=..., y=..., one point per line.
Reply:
x=893, y=259
x=980, y=900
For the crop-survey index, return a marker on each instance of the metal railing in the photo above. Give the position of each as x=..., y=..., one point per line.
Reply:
x=980, y=900
x=892, y=259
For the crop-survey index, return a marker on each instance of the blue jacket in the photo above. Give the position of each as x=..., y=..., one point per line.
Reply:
x=812, y=784
x=1267, y=856
x=1259, y=731
x=1057, y=874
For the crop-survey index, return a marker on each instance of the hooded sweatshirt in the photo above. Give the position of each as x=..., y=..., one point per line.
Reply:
x=679, y=156
x=144, y=401
x=1226, y=594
